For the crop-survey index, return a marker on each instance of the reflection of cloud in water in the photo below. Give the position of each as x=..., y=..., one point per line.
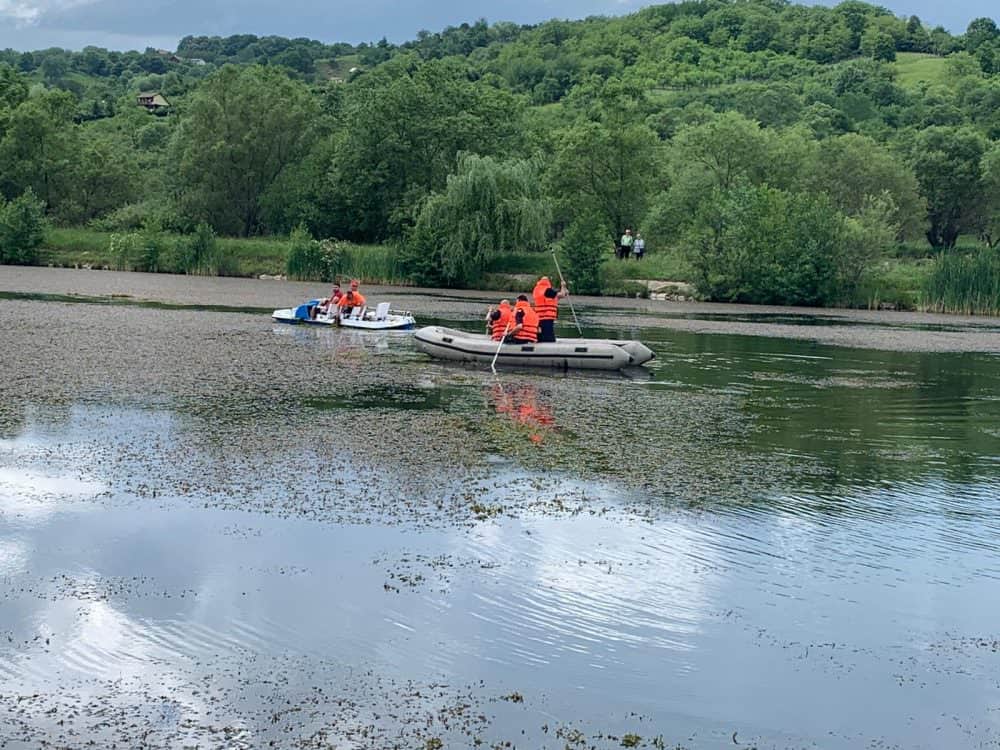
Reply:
x=591, y=586
x=101, y=651
x=14, y=556
x=34, y=496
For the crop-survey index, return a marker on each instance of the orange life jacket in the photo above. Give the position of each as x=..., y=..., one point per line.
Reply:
x=351, y=299
x=503, y=324
x=546, y=307
x=529, y=323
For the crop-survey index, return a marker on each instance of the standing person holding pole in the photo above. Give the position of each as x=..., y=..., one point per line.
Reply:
x=562, y=281
x=547, y=306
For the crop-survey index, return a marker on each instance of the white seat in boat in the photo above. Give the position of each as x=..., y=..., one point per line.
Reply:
x=382, y=311
x=358, y=313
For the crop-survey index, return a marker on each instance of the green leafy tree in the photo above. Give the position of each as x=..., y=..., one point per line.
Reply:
x=948, y=164
x=243, y=127
x=979, y=32
x=854, y=170
x=766, y=246
x=584, y=247
x=878, y=45
x=39, y=147
x=13, y=91
x=403, y=128
x=989, y=218
x=22, y=229
x=868, y=234
x=103, y=178
x=720, y=155
x=488, y=208
x=916, y=39
x=608, y=162
x=299, y=195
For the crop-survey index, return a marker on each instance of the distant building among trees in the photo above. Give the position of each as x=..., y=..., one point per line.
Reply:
x=153, y=101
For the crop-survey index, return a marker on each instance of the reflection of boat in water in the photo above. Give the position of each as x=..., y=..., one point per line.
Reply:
x=525, y=408
x=382, y=318
x=588, y=354
x=341, y=341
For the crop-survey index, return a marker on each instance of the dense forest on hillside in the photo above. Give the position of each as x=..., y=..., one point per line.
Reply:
x=782, y=153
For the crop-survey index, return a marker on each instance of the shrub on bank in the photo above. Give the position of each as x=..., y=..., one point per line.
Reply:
x=582, y=248
x=313, y=260
x=22, y=229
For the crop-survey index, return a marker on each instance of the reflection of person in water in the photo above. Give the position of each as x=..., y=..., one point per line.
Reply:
x=525, y=408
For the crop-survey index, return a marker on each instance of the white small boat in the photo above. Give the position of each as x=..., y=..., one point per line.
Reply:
x=588, y=354
x=382, y=318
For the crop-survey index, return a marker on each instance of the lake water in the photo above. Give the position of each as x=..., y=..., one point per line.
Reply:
x=216, y=531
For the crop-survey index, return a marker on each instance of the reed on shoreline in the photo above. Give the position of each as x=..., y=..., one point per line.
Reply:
x=968, y=284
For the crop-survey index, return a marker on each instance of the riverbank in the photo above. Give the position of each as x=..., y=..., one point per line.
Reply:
x=896, y=284
x=864, y=329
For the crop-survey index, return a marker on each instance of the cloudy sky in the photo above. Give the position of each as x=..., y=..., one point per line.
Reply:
x=136, y=24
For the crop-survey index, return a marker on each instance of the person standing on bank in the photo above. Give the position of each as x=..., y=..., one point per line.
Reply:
x=626, y=244
x=639, y=246
x=547, y=307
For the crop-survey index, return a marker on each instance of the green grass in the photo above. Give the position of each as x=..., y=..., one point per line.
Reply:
x=374, y=264
x=896, y=283
x=338, y=67
x=914, y=67
x=257, y=255
x=75, y=246
x=539, y=263
x=966, y=283
x=662, y=266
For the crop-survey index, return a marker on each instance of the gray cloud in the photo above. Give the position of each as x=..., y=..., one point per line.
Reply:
x=120, y=24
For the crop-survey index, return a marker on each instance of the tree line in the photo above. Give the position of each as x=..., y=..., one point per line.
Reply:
x=778, y=148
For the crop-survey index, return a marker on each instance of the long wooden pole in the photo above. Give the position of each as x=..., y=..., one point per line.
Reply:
x=493, y=364
x=568, y=300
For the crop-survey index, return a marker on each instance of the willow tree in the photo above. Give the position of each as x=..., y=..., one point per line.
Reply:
x=489, y=207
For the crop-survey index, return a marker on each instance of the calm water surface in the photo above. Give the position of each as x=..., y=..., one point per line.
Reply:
x=753, y=543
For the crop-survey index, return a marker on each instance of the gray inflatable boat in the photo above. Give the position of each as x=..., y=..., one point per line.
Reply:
x=585, y=354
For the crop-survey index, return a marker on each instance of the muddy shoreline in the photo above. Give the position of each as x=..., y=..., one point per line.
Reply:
x=864, y=329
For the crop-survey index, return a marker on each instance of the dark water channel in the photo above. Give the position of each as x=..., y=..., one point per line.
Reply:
x=216, y=532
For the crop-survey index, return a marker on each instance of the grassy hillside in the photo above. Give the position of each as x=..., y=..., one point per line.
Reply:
x=915, y=67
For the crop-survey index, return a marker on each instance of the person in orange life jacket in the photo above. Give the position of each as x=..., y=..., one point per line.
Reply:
x=352, y=299
x=525, y=330
x=547, y=307
x=500, y=321
x=328, y=304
